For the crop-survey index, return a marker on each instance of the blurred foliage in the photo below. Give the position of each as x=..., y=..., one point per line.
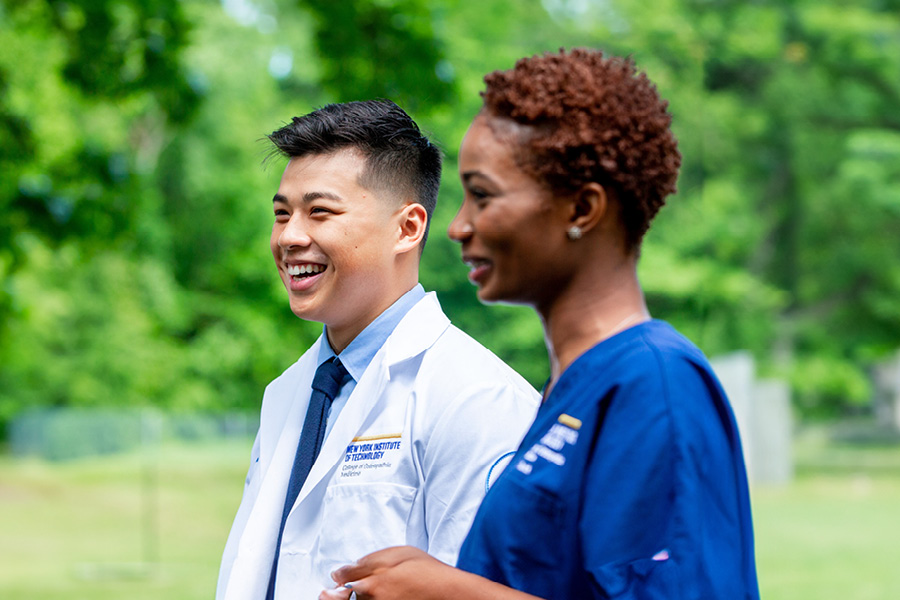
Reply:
x=133, y=196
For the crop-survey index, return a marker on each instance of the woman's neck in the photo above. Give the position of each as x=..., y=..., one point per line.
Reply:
x=595, y=306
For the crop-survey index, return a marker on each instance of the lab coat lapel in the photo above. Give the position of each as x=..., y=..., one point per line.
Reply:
x=364, y=399
x=415, y=333
x=418, y=330
x=250, y=572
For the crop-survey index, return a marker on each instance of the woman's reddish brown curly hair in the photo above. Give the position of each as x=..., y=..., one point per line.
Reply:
x=591, y=118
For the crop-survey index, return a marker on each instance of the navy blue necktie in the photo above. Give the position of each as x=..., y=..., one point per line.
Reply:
x=330, y=376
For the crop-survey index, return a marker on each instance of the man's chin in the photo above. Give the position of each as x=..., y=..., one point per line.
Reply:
x=303, y=310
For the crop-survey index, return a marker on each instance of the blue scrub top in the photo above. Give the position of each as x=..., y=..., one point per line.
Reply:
x=629, y=484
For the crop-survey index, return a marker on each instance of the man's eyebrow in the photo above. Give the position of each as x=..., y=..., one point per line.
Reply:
x=309, y=197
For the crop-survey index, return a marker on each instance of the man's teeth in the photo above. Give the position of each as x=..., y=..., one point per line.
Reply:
x=307, y=269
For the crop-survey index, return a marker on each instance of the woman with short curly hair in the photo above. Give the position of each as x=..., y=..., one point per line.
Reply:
x=631, y=482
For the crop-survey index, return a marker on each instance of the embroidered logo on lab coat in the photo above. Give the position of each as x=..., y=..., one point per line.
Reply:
x=564, y=431
x=370, y=452
x=496, y=469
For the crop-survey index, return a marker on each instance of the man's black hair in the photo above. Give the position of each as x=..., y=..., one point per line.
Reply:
x=399, y=159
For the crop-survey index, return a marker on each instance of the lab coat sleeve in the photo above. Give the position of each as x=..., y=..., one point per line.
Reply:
x=484, y=423
x=251, y=490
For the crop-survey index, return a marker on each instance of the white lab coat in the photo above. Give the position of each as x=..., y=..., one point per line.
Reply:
x=405, y=463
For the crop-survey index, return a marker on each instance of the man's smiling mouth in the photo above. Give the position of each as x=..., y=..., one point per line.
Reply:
x=298, y=272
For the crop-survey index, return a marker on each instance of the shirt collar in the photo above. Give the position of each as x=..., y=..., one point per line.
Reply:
x=357, y=356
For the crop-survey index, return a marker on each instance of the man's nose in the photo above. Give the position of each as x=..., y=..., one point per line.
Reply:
x=295, y=233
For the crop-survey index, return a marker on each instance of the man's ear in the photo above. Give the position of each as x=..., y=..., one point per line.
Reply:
x=413, y=220
x=590, y=205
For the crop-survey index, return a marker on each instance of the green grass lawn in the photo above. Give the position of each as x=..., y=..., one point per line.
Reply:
x=96, y=529
x=91, y=529
x=829, y=536
x=835, y=532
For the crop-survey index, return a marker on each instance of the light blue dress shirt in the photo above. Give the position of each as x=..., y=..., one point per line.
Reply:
x=357, y=356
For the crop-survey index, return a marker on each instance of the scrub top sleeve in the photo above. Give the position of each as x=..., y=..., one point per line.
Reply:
x=480, y=426
x=626, y=524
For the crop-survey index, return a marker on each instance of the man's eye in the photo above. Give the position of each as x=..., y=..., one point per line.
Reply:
x=318, y=210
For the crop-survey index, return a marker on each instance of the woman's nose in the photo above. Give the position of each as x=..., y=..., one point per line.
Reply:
x=460, y=228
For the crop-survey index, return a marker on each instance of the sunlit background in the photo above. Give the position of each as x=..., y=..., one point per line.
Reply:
x=141, y=318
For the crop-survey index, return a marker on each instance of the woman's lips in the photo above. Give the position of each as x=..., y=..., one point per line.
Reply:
x=478, y=269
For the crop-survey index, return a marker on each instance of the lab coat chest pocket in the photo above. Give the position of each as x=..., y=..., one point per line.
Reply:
x=364, y=517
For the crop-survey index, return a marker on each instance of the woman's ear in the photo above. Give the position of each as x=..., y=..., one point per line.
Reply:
x=413, y=219
x=590, y=205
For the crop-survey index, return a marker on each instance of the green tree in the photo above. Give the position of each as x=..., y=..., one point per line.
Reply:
x=788, y=119
x=133, y=210
x=134, y=198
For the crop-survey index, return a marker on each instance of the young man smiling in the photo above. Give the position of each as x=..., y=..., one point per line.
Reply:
x=420, y=416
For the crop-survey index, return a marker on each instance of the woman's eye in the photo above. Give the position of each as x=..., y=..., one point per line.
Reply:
x=479, y=196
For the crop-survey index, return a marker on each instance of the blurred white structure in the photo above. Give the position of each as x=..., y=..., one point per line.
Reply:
x=886, y=376
x=762, y=408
